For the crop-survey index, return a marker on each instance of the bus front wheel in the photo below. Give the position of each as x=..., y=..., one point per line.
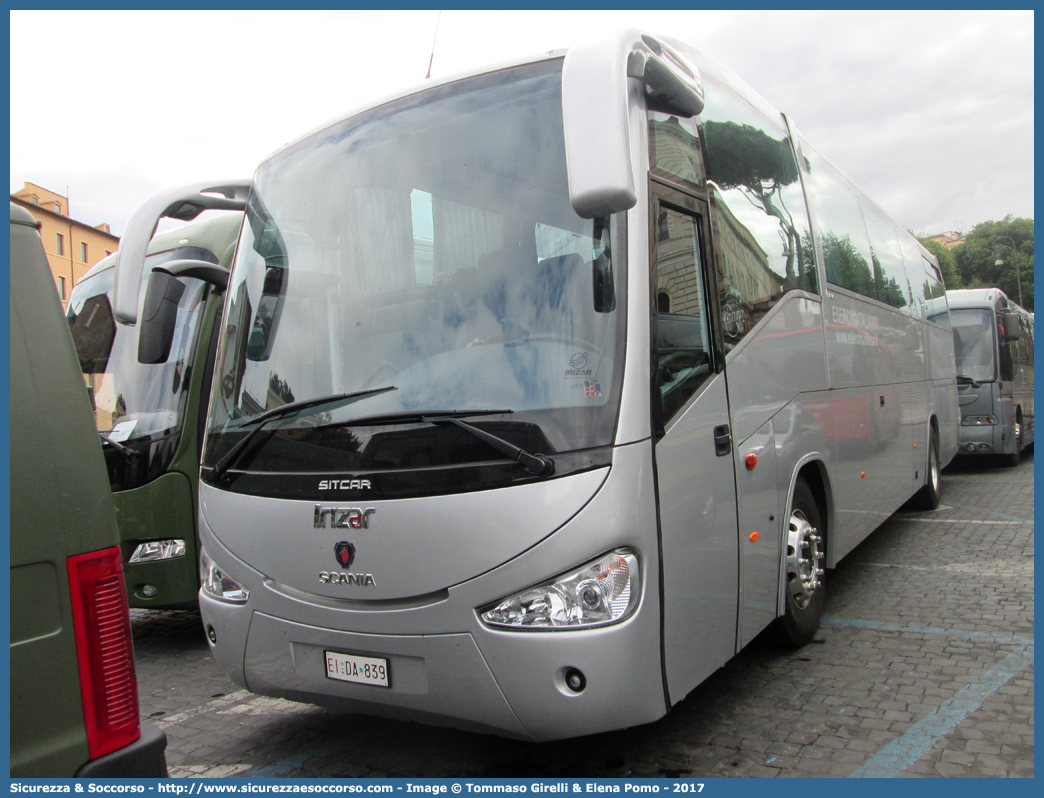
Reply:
x=803, y=575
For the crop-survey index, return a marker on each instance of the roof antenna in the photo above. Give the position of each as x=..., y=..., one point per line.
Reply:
x=437, y=21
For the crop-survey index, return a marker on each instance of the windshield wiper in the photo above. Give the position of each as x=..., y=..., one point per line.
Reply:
x=259, y=421
x=126, y=451
x=539, y=464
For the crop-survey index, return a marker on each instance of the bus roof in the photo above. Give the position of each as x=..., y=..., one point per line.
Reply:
x=703, y=62
x=981, y=297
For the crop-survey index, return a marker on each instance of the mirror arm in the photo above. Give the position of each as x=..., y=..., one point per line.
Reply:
x=183, y=203
x=211, y=273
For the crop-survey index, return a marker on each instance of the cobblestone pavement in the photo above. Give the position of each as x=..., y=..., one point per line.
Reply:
x=923, y=667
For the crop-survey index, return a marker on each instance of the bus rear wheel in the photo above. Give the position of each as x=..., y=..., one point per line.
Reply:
x=928, y=497
x=803, y=575
x=1015, y=457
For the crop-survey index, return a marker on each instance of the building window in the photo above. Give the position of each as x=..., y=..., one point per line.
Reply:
x=83, y=251
x=663, y=231
x=61, y=288
x=57, y=207
x=60, y=243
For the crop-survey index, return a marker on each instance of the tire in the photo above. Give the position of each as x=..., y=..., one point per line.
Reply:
x=803, y=572
x=1013, y=459
x=927, y=498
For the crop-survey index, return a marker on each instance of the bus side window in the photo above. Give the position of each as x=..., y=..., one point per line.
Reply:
x=890, y=279
x=761, y=225
x=847, y=255
x=681, y=333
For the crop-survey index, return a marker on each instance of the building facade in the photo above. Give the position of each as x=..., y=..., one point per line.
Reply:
x=949, y=240
x=72, y=247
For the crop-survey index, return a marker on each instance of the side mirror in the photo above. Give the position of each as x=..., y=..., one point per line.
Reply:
x=162, y=296
x=159, y=316
x=1012, y=327
x=184, y=203
x=269, y=311
x=595, y=103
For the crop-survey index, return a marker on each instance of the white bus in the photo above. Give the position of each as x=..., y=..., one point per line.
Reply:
x=544, y=389
x=993, y=337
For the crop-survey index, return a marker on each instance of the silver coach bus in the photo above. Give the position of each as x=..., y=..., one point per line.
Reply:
x=544, y=389
x=993, y=338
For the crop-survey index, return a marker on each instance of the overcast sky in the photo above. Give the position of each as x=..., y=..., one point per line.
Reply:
x=930, y=113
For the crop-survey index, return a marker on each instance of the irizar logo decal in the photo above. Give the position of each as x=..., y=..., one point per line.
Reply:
x=578, y=366
x=343, y=517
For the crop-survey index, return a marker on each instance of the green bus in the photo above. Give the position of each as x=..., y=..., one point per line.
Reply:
x=149, y=401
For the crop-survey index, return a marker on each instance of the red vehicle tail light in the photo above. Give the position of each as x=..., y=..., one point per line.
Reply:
x=104, y=650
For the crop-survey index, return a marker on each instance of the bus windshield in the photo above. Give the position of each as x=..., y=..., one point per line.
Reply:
x=973, y=335
x=139, y=406
x=428, y=247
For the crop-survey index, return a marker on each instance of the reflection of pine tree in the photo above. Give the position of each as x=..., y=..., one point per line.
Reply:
x=887, y=289
x=747, y=158
x=279, y=389
x=846, y=266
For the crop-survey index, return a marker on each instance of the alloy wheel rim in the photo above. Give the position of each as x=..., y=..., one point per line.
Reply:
x=804, y=559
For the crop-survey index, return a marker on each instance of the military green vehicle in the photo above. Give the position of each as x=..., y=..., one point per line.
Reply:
x=149, y=394
x=74, y=696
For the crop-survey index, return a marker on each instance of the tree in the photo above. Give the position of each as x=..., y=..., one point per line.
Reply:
x=977, y=257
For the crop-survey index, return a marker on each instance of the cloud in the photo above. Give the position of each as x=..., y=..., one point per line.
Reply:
x=930, y=112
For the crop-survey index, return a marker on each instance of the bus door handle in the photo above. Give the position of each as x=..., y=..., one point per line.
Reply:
x=722, y=440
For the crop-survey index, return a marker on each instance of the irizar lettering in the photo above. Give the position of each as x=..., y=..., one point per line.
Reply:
x=343, y=517
x=359, y=580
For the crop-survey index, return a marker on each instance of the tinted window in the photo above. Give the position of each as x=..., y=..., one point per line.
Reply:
x=762, y=221
x=682, y=335
x=846, y=249
x=890, y=283
x=920, y=290
x=933, y=282
x=674, y=148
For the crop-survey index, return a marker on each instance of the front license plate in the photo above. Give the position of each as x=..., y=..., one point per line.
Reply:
x=361, y=670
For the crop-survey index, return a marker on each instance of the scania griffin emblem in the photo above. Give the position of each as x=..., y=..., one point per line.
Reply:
x=345, y=552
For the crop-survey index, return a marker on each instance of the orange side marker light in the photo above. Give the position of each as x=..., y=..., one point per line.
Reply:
x=754, y=536
x=751, y=461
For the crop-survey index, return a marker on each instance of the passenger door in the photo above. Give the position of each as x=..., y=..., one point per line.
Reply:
x=696, y=489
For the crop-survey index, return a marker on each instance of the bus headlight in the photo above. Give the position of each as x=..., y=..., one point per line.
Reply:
x=156, y=550
x=217, y=584
x=601, y=592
